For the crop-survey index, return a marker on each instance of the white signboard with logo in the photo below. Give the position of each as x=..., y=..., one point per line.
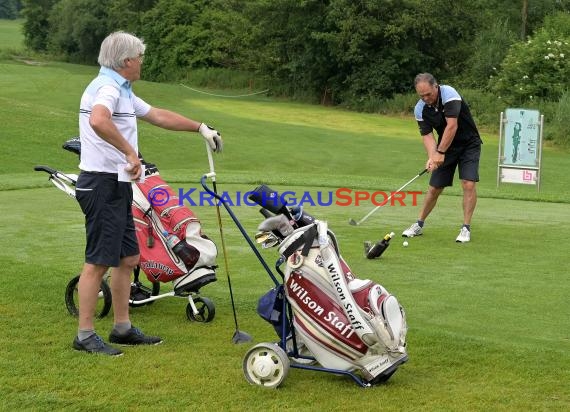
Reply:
x=520, y=147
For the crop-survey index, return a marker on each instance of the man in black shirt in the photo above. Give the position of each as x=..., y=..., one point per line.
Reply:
x=458, y=145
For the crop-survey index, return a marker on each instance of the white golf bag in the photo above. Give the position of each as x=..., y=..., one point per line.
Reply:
x=347, y=324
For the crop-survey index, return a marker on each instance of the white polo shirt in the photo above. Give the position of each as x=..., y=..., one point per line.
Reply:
x=114, y=92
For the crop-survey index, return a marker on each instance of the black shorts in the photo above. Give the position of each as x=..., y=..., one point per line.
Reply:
x=466, y=157
x=109, y=225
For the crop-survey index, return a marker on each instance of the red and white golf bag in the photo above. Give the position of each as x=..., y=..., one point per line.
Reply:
x=156, y=209
x=347, y=324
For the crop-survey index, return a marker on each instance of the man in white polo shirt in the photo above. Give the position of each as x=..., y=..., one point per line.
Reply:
x=109, y=140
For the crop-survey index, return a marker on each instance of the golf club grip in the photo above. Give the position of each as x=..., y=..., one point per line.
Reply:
x=266, y=213
x=210, y=158
x=46, y=169
x=422, y=172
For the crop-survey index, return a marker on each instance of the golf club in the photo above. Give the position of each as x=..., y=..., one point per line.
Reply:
x=355, y=223
x=239, y=336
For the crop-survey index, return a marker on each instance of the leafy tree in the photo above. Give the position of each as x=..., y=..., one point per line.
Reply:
x=167, y=30
x=539, y=67
x=77, y=29
x=9, y=9
x=500, y=24
x=338, y=51
x=537, y=11
x=36, y=29
x=185, y=35
x=284, y=45
x=522, y=17
x=380, y=46
x=127, y=15
x=489, y=49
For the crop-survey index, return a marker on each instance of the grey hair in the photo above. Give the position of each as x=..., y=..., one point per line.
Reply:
x=425, y=77
x=117, y=47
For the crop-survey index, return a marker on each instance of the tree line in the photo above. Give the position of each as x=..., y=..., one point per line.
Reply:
x=341, y=52
x=10, y=9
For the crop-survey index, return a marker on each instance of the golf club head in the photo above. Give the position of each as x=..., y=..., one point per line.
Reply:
x=352, y=222
x=241, y=337
x=261, y=237
x=267, y=239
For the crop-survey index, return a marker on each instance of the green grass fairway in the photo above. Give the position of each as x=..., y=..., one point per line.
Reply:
x=489, y=321
x=11, y=35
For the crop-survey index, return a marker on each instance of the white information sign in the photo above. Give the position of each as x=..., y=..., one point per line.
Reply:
x=520, y=147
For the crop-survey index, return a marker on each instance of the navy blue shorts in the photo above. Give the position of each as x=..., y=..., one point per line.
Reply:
x=465, y=157
x=109, y=225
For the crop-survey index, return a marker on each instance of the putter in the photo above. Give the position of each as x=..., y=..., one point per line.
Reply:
x=239, y=336
x=355, y=223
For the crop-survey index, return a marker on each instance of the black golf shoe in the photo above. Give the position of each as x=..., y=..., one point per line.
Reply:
x=134, y=336
x=94, y=344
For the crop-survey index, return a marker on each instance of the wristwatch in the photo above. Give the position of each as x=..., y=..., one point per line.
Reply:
x=440, y=152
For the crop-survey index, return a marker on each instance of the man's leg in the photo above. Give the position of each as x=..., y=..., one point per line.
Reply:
x=430, y=201
x=469, y=203
x=440, y=179
x=88, y=293
x=124, y=332
x=469, y=175
x=469, y=200
x=121, y=287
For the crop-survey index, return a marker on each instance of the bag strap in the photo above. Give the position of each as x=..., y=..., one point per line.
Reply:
x=305, y=239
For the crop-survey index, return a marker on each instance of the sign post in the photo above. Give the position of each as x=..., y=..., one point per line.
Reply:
x=520, y=147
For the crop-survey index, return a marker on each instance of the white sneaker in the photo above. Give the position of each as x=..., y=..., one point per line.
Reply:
x=414, y=230
x=464, y=235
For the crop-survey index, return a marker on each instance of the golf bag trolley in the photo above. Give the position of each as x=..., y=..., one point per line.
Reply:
x=154, y=223
x=326, y=318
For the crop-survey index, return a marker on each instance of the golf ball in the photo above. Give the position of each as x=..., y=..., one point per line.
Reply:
x=405, y=243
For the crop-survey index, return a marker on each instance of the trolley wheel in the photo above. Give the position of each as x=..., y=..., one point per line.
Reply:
x=72, y=298
x=206, y=310
x=266, y=364
x=141, y=291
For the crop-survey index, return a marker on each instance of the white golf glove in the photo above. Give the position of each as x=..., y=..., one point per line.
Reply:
x=212, y=136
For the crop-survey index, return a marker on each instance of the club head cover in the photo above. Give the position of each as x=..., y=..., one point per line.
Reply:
x=73, y=145
x=269, y=199
x=278, y=223
x=301, y=217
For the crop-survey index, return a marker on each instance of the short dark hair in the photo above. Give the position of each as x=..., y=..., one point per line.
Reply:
x=425, y=77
